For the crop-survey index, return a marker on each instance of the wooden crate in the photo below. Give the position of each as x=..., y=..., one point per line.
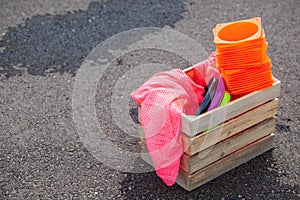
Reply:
x=238, y=132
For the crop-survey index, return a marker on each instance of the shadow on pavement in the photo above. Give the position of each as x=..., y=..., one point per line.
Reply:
x=60, y=43
x=240, y=183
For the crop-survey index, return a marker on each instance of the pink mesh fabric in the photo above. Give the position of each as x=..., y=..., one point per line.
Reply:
x=162, y=100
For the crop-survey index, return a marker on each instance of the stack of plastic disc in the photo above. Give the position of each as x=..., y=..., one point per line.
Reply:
x=241, y=56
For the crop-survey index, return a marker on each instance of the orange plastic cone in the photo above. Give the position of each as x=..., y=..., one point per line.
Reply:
x=241, y=56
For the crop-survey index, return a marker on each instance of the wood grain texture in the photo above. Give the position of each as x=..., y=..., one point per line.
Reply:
x=190, y=182
x=192, y=125
x=195, y=144
x=191, y=164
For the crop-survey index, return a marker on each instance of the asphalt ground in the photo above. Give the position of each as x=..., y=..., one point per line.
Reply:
x=43, y=44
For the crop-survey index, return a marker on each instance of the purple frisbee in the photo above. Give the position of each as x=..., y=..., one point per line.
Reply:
x=215, y=102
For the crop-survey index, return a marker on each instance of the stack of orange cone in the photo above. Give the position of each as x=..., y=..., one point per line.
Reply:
x=241, y=56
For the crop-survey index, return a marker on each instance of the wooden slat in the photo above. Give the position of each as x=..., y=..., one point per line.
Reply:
x=224, y=148
x=192, y=125
x=190, y=182
x=193, y=145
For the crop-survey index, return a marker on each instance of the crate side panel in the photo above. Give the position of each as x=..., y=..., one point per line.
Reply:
x=228, y=163
x=228, y=146
x=197, y=143
x=192, y=125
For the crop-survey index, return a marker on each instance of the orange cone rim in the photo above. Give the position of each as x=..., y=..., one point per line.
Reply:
x=238, y=31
